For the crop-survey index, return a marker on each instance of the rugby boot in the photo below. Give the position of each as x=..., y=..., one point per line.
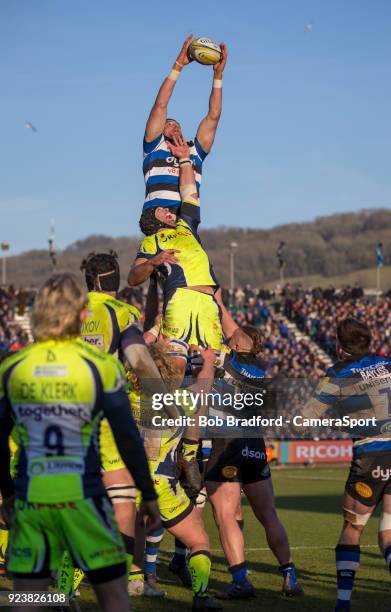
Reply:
x=182, y=571
x=291, y=588
x=140, y=588
x=236, y=590
x=205, y=603
x=150, y=586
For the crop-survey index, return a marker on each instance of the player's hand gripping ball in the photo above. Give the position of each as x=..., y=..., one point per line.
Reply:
x=204, y=51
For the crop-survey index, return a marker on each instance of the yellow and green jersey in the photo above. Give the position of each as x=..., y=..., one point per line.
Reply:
x=54, y=393
x=109, y=323
x=193, y=267
x=160, y=443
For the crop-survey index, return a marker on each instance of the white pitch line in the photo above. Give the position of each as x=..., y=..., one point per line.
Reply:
x=316, y=478
x=266, y=548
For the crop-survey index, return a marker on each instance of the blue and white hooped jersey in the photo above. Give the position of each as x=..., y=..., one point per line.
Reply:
x=161, y=172
x=360, y=388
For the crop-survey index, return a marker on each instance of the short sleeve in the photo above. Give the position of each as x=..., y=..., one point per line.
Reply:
x=200, y=151
x=190, y=214
x=131, y=335
x=113, y=375
x=147, y=248
x=148, y=147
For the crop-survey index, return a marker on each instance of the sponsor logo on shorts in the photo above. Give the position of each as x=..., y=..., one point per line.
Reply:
x=381, y=473
x=27, y=505
x=106, y=552
x=251, y=454
x=363, y=490
x=229, y=471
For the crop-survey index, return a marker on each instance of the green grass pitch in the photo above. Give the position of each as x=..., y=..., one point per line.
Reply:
x=309, y=505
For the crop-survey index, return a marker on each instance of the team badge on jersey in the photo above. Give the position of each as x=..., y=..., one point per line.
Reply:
x=363, y=490
x=229, y=471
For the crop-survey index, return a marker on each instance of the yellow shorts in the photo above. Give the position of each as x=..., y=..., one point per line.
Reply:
x=174, y=504
x=193, y=317
x=109, y=455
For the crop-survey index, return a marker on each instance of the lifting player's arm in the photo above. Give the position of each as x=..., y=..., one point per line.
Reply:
x=235, y=337
x=191, y=437
x=190, y=206
x=158, y=114
x=131, y=450
x=207, y=129
x=140, y=360
x=143, y=267
x=203, y=386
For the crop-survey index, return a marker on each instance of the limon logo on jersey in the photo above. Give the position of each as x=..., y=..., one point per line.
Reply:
x=251, y=454
x=37, y=468
x=53, y=466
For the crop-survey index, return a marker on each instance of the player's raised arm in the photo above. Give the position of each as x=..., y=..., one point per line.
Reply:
x=187, y=183
x=207, y=129
x=158, y=115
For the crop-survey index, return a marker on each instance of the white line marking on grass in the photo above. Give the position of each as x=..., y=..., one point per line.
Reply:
x=316, y=478
x=298, y=548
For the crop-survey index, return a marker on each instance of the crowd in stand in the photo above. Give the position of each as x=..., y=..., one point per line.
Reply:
x=316, y=313
x=12, y=335
x=282, y=351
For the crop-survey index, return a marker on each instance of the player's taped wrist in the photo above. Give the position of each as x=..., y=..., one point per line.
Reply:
x=217, y=83
x=174, y=75
x=155, y=330
x=188, y=193
x=184, y=160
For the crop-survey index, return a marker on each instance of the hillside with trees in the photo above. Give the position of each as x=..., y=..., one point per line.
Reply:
x=329, y=246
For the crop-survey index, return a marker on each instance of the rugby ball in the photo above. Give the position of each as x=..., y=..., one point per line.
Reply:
x=204, y=51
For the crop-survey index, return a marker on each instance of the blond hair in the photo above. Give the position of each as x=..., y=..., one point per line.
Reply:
x=57, y=308
x=164, y=363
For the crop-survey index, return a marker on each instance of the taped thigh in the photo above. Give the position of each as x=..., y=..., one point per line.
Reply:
x=355, y=519
x=385, y=522
x=121, y=493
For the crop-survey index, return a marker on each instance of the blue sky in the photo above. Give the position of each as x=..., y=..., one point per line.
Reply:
x=305, y=130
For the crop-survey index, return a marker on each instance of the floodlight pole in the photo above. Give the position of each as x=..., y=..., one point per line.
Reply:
x=232, y=247
x=4, y=248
